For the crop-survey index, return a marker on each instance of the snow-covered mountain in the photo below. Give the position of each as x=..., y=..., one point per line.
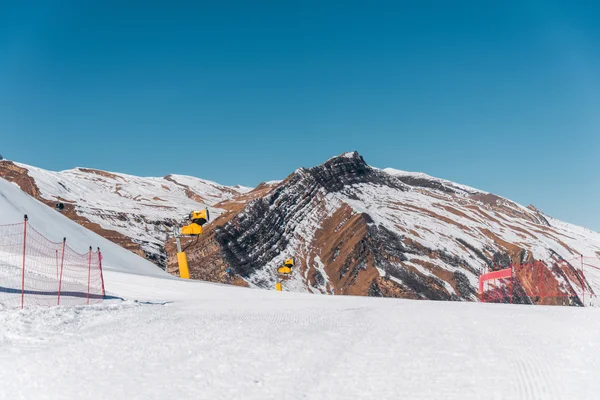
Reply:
x=137, y=213
x=352, y=228
x=356, y=229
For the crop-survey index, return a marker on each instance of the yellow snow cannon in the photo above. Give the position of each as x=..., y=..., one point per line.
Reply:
x=284, y=272
x=197, y=219
x=286, y=268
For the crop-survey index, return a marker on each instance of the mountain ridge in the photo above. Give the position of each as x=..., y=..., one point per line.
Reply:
x=354, y=228
x=409, y=237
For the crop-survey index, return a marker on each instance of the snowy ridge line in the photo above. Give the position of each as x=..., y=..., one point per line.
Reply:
x=141, y=210
x=422, y=175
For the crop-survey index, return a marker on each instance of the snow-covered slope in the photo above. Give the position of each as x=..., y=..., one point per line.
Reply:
x=136, y=212
x=192, y=340
x=355, y=229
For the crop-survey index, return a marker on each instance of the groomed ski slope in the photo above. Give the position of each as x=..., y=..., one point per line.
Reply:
x=183, y=339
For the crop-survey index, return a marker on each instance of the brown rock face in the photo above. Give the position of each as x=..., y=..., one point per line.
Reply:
x=18, y=175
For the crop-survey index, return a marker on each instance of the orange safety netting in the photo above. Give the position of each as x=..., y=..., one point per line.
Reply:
x=35, y=271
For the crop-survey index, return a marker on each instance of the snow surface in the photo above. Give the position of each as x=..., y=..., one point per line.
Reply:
x=170, y=338
x=203, y=341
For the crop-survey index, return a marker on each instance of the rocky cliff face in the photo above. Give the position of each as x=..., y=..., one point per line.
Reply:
x=355, y=229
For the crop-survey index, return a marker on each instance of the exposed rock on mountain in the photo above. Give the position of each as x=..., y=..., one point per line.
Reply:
x=355, y=229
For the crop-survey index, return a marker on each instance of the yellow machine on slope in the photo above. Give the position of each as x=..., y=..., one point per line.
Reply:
x=194, y=228
x=197, y=218
x=283, y=272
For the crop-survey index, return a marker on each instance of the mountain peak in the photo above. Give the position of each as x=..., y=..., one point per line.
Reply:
x=348, y=169
x=354, y=156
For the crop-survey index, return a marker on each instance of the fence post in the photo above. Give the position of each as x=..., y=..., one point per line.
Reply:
x=62, y=261
x=101, y=274
x=541, y=290
x=23, y=268
x=512, y=282
x=582, y=283
x=89, y=273
x=485, y=284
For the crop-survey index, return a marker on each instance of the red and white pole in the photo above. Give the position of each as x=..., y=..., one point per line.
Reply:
x=89, y=273
x=541, y=290
x=62, y=261
x=101, y=274
x=23, y=269
x=582, y=283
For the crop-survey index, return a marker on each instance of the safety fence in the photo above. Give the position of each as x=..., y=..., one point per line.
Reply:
x=35, y=271
x=556, y=282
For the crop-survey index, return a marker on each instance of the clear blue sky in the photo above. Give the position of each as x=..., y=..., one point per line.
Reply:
x=503, y=96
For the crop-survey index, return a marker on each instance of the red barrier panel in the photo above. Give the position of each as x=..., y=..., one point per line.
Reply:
x=552, y=282
x=503, y=273
x=35, y=271
x=496, y=294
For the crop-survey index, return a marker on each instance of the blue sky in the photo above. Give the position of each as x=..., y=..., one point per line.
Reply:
x=502, y=96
